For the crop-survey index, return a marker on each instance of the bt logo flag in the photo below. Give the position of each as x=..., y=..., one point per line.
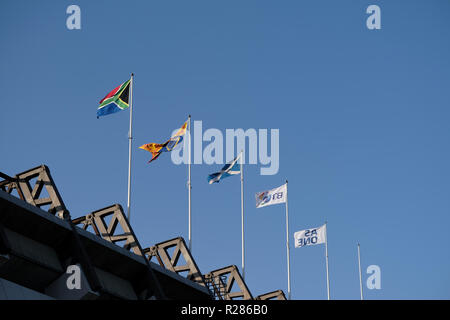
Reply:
x=310, y=237
x=274, y=196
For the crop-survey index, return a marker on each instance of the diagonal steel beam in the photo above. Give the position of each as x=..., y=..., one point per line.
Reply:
x=274, y=295
x=171, y=262
x=32, y=194
x=109, y=231
x=233, y=288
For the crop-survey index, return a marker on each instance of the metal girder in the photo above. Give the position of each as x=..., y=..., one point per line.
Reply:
x=226, y=283
x=107, y=231
x=223, y=283
x=161, y=252
x=32, y=194
x=9, y=184
x=274, y=295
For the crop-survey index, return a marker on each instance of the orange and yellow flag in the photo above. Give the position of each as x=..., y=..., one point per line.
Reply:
x=157, y=148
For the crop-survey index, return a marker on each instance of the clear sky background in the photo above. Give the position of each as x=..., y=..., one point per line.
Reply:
x=363, y=118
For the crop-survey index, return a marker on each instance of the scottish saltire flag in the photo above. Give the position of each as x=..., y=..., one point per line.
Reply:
x=115, y=101
x=274, y=196
x=157, y=148
x=228, y=170
x=310, y=237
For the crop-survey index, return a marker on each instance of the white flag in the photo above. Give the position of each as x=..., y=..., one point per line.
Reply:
x=310, y=237
x=274, y=196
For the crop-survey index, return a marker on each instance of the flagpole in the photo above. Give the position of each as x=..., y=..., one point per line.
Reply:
x=130, y=138
x=287, y=244
x=326, y=255
x=242, y=215
x=360, y=275
x=189, y=183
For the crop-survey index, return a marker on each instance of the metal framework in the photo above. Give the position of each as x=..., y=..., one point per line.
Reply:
x=111, y=224
x=110, y=231
x=227, y=284
x=172, y=261
x=274, y=295
x=32, y=194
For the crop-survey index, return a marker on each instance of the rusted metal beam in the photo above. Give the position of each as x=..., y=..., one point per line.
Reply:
x=274, y=295
x=172, y=262
x=228, y=284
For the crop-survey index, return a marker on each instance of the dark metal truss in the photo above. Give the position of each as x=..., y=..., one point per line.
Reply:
x=32, y=193
x=172, y=261
x=274, y=295
x=110, y=231
x=227, y=284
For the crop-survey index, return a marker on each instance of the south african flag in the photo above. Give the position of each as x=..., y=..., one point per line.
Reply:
x=115, y=101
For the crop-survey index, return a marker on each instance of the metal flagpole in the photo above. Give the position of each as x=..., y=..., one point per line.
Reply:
x=130, y=138
x=360, y=275
x=242, y=214
x=189, y=183
x=287, y=244
x=326, y=254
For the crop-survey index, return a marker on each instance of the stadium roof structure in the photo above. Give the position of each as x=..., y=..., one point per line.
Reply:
x=40, y=244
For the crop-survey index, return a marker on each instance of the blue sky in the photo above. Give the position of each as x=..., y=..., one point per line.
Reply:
x=363, y=119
